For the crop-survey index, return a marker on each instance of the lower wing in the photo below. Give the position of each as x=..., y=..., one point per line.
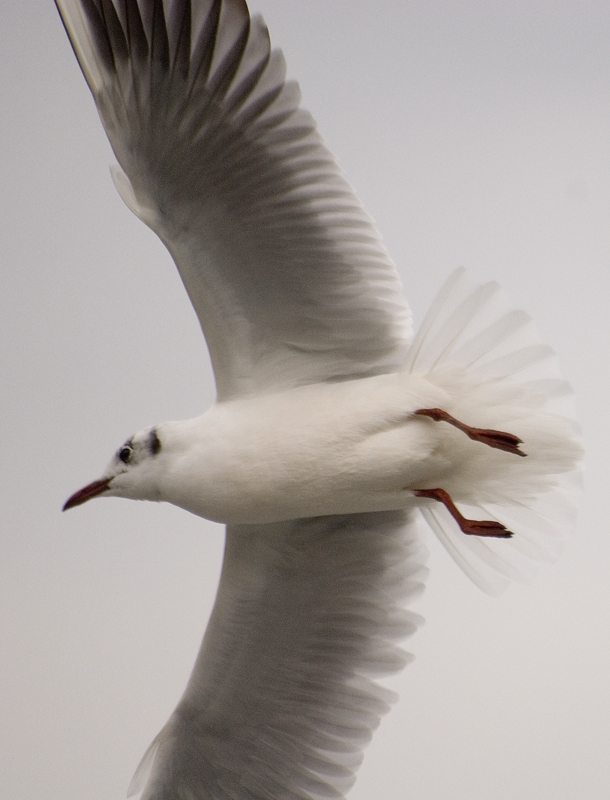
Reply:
x=282, y=698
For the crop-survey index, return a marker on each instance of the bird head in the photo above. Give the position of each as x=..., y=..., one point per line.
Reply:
x=133, y=472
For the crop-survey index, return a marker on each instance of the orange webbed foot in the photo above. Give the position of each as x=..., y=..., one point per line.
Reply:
x=497, y=439
x=471, y=527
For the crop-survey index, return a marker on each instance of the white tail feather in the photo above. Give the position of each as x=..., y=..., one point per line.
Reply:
x=472, y=327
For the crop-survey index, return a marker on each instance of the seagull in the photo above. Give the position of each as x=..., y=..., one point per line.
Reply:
x=334, y=429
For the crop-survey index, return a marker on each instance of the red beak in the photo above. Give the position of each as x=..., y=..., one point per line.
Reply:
x=92, y=490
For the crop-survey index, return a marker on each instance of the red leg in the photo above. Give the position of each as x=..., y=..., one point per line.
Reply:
x=473, y=527
x=497, y=439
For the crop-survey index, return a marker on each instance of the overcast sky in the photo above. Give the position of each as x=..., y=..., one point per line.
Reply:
x=476, y=134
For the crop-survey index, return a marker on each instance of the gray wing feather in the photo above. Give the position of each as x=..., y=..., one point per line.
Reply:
x=285, y=270
x=282, y=699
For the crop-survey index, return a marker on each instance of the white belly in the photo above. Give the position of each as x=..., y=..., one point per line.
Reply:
x=315, y=450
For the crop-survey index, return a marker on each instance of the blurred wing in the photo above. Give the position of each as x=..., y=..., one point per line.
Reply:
x=285, y=270
x=282, y=700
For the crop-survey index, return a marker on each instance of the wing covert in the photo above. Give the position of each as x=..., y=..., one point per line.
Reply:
x=286, y=271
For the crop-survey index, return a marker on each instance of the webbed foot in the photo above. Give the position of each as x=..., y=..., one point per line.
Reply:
x=472, y=527
x=498, y=439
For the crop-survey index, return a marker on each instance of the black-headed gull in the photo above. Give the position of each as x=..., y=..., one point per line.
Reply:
x=332, y=427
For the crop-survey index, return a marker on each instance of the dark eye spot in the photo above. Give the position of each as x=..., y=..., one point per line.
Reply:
x=154, y=444
x=125, y=454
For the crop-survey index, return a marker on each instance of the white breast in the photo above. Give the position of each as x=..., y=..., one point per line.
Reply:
x=315, y=450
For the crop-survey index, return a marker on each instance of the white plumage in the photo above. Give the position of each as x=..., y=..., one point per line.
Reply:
x=331, y=428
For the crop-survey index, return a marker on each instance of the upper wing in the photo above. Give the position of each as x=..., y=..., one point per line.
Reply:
x=281, y=701
x=284, y=268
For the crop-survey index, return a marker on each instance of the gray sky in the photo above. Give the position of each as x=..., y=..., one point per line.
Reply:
x=477, y=134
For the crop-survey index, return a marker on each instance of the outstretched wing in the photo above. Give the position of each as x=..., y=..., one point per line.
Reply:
x=285, y=270
x=282, y=700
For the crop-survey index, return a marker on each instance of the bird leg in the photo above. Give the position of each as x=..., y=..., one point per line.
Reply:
x=473, y=527
x=497, y=439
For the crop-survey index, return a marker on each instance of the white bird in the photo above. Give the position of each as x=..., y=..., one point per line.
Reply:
x=331, y=428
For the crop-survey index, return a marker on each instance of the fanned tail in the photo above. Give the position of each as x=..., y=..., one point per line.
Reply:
x=472, y=332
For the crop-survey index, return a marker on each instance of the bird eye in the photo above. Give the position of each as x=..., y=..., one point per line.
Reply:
x=125, y=454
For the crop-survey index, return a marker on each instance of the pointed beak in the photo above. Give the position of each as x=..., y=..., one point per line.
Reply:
x=92, y=490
